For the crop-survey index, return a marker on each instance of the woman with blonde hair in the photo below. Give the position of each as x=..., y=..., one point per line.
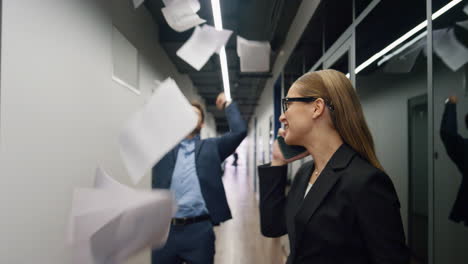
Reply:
x=341, y=207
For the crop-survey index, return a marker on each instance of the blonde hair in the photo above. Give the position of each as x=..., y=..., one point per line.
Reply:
x=348, y=118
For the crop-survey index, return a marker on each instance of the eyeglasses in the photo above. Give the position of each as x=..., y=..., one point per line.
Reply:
x=285, y=102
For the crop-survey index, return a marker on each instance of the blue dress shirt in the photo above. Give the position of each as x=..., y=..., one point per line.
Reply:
x=185, y=184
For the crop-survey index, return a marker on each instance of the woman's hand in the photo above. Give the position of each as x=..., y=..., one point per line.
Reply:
x=277, y=156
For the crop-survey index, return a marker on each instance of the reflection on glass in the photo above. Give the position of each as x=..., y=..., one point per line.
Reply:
x=391, y=81
x=450, y=50
x=334, y=18
x=335, y=27
x=342, y=64
x=360, y=5
x=455, y=146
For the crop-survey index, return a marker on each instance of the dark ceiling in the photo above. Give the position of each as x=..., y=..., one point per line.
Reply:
x=329, y=21
x=262, y=20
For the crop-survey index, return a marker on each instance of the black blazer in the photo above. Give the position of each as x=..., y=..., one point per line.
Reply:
x=350, y=215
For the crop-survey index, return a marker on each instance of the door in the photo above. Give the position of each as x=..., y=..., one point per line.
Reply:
x=418, y=178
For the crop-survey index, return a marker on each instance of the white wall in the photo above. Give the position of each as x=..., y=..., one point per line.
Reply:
x=61, y=113
x=263, y=113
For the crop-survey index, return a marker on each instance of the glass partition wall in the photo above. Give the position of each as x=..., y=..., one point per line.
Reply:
x=450, y=160
x=391, y=81
x=409, y=63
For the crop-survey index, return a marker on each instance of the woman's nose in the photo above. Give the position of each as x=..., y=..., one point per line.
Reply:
x=282, y=118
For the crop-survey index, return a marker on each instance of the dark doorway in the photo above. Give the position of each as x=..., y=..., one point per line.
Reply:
x=418, y=178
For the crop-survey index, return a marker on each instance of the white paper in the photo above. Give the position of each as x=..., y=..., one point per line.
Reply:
x=137, y=228
x=194, y=4
x=113, y=222
x=102, y=180
x=218, y=37
x=203, y=43
x=167, y=2
x=91, y=211
x=137, y=3
x=254, y=55
x=463, y=24
x=404, y=62
x=153, y=131
x=181, y=15
x=446, y=45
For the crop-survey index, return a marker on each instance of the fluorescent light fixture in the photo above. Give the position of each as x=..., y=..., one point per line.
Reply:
x=222, y=54
x=225, y=73
x=446, y=8
x=391, y=46
x=398, y=51
x=406, y=36
x=217, y=14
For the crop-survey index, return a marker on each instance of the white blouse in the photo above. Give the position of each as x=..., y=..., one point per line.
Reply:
x=308, y=189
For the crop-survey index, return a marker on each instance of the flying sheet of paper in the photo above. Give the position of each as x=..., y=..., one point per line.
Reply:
x=446, y=45
x=167, y=2
x=220, y=37
x=194, y=4
x=254, y=55
x=463, y=24
x=404, y=62
x=137, y=3
x=137, y=228
x=203, y=43
x=113, y=222
x=154, y=130
x=102, y=180
x=181, y=15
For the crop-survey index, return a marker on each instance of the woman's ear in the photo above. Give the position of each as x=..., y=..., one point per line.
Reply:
x=319, y=107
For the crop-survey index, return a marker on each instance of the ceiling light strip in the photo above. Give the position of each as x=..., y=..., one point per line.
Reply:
x=406, y=36
x=222, y=54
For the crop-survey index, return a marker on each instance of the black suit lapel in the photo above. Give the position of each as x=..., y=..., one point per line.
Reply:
x=299, y=185
x=314, y=198
x=322, y=186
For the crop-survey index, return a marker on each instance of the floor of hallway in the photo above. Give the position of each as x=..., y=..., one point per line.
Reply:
x=239, y=241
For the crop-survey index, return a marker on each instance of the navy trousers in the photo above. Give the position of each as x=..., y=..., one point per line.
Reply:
x=193, y=244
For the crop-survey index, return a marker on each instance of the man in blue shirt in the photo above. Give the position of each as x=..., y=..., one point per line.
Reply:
x=192, y=171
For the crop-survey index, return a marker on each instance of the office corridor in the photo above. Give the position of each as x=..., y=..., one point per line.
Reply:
x=239, y=240
x=104, y=104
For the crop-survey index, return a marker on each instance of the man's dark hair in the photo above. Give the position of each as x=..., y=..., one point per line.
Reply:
x=200, y=107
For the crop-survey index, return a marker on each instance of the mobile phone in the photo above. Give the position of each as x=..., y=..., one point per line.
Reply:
x=289, y=151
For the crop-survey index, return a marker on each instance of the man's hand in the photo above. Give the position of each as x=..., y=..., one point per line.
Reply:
x=221, y=101
x=453, y=99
